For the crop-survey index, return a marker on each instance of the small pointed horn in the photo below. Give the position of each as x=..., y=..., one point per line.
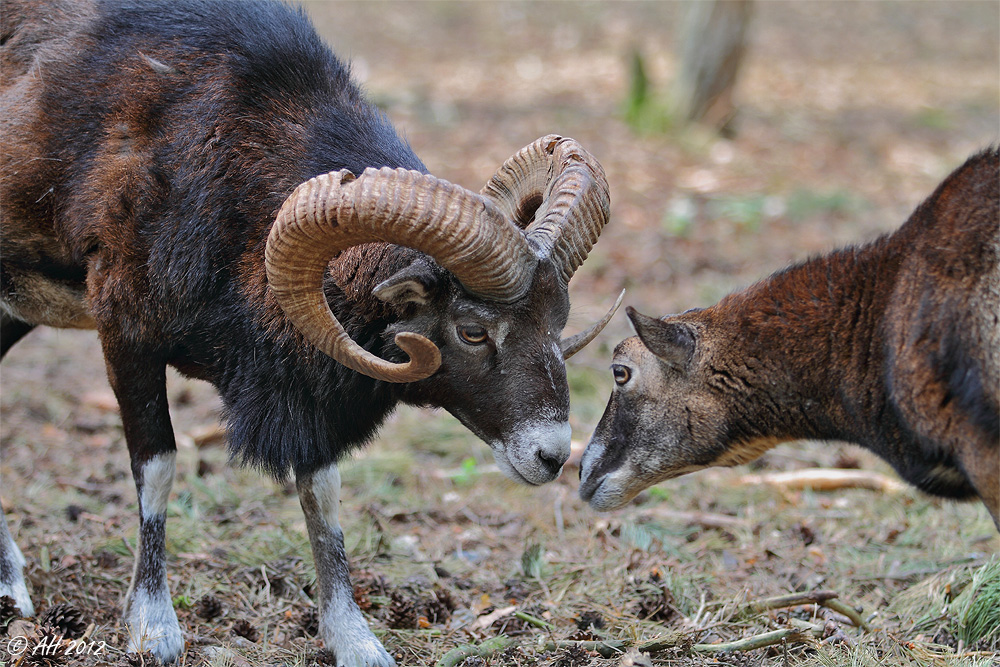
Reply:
x=577, y=342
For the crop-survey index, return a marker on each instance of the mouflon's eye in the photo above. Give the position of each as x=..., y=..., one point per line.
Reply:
x=473, y=335
x=622, y=374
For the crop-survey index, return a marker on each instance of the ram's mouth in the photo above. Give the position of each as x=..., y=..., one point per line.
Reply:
x=508, y=469
x=536, y=453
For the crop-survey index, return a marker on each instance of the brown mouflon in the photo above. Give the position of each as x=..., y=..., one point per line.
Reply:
x=893, y=345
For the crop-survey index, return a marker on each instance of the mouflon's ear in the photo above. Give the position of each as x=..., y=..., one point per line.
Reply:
x=673, y=343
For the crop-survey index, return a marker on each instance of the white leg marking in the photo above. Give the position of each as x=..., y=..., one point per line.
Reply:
x=157, y=479
x=12, y=570
x=152, y=624
x=342, y=626
x=326, y=490
x=149, y=611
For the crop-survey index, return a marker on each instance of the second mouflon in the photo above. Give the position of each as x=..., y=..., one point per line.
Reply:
x=893, y=345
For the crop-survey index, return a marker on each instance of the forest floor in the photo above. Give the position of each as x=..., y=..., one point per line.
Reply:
x=849, y=115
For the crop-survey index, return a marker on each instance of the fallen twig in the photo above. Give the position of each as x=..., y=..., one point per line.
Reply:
x=800, y=631
x=848, y=611
x=531, y=620
x=457, y=655
x=825, y=479
x=703, y=519
x=790, y=600
x=755, y=642
x=665, y=642
x=826, y=599
x=606, y=648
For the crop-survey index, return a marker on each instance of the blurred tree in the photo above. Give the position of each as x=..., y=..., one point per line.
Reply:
x=712, y=48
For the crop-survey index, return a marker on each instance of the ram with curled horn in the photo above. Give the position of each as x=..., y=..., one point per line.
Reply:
x=184, y=220
x=553, y=187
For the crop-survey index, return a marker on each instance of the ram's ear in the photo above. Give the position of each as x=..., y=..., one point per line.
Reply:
x=673, y=343
x=414, y=284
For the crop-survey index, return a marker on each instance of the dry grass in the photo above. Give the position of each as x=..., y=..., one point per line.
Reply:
x=850, y=115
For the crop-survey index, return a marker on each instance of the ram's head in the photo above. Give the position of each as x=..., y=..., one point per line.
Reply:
x=482, y=318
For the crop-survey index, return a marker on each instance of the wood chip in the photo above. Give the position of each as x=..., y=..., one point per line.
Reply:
x=486, y=621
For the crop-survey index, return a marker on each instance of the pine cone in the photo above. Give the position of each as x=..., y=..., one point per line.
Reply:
x=369, y=581
x=65, y=620
x=107, y=559
x=279, y=585
x=309, y=621
x=324, y=657
x=590, y=619
x=33, y=658
x=440, y=605
x=145, y=659
x=652, y=608
x=656, y=602
x=8, y=612
x=208, y=607
x=361, y=597
x=45, y=650
x=402, y=612
x=243, y=628
x=573, y=656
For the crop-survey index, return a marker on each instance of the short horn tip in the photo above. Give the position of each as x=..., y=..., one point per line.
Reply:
x=425, y=357
x=574, y=344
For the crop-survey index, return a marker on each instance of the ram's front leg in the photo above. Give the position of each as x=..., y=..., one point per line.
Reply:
x=342, y=627
x=12, y=570
x=11, y=559
x=139, y=383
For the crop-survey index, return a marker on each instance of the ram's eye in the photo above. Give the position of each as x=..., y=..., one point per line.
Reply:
x=622, y=374
x=473, y=335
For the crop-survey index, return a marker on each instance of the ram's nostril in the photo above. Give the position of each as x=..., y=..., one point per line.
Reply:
x=551, y=462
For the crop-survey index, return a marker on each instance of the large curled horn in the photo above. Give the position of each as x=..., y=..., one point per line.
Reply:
x=559, y=193
x=464, y=232
x=561, y=185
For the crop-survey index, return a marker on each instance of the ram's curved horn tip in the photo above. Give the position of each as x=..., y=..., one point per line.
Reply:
x=425, y=357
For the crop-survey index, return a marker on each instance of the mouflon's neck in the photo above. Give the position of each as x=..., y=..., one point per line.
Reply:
x=811, y=338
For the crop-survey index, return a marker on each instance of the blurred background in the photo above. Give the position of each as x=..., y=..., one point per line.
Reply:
x=840, y=118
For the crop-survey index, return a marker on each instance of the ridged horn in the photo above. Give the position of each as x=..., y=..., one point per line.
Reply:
x=565, y=190
x=463, y=231
x=577, y=342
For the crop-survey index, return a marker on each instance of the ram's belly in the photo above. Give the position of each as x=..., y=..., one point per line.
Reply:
x=41, y=300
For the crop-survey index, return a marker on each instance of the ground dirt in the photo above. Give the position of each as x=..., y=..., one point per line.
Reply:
x=849, y=114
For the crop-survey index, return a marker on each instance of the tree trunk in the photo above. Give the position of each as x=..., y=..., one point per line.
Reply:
x=714, y=42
